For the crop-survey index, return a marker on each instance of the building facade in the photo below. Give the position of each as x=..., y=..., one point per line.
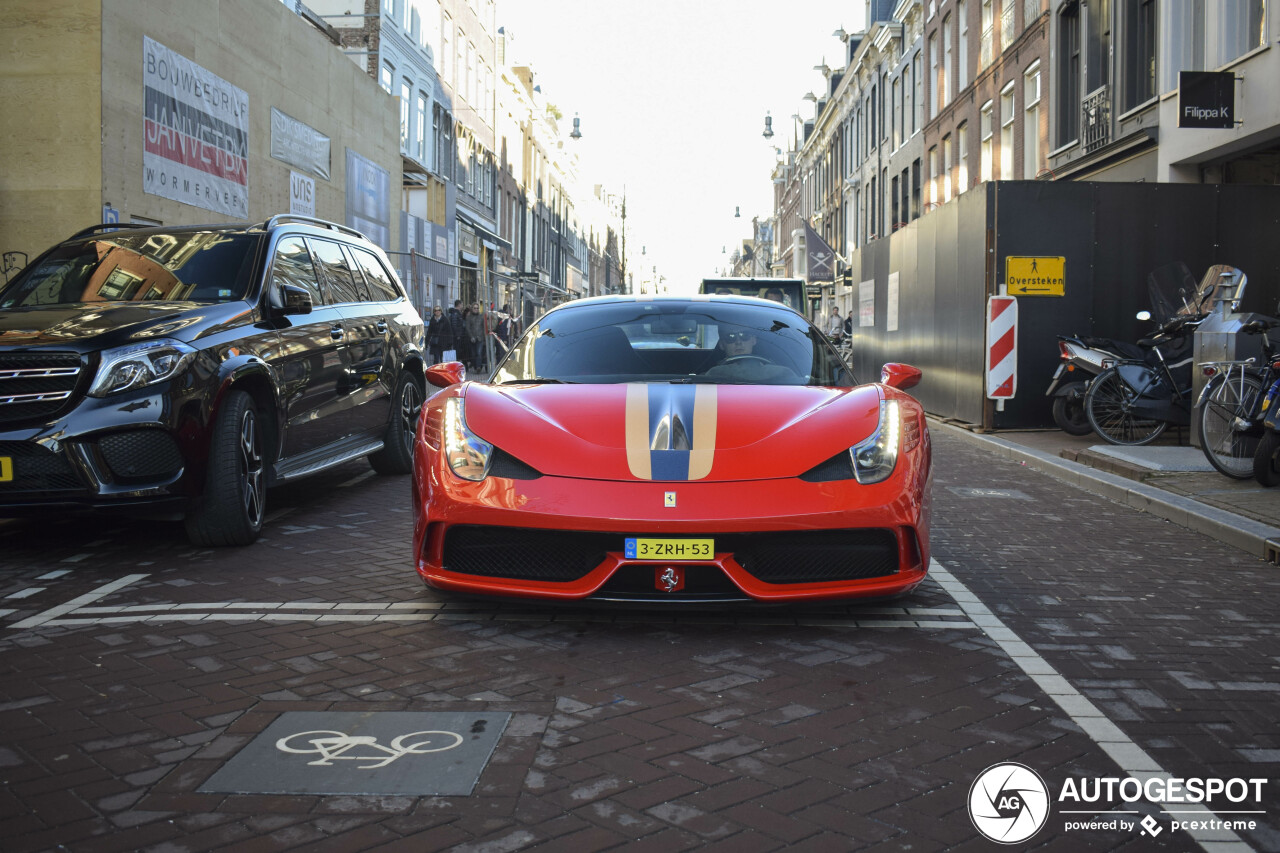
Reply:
x=121, y=101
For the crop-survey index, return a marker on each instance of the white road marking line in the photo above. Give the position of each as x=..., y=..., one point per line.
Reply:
x=77, y=558
x=26, y=593
x=75, y=603
x=1132, y=759
x=54, y=575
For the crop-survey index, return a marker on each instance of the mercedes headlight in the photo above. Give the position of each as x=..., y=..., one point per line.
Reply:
x=468, y=453
x=875, y=457
x=139, y=365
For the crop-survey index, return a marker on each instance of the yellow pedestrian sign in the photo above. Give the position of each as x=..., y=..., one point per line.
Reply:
x=1025, y=276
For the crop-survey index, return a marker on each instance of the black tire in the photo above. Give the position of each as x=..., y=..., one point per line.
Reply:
x=1107, y=406
x=1068, y=410
x=1229, y=398
x=396, y=455
x=235, y=489
x=1266, y=459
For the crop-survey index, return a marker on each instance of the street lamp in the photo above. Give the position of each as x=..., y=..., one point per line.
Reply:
x=768, y=126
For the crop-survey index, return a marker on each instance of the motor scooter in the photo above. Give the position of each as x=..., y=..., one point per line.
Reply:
x=1266, y=458
x=1082, y=358
x=1133, y=402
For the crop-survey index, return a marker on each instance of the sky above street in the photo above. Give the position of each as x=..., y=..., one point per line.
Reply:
x=672, y=97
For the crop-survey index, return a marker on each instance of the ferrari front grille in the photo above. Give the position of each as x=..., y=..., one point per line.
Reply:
x=781, y=557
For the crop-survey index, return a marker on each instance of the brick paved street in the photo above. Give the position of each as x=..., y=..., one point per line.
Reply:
x=826, y=729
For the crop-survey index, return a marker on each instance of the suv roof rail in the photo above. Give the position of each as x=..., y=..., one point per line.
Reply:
x=104, y=226
x=281, y=218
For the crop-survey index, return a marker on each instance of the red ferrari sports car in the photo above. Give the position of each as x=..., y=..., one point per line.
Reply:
x=673, y=449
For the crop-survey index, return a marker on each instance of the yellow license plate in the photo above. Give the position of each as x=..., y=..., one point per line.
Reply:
x=670, y=549
x=6, y=469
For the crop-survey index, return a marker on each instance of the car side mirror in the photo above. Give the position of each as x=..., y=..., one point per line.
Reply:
x=297, y=300
x=446, y=374
x=900, y=376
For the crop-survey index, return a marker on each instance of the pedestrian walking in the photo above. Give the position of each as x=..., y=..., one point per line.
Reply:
x=457, y=325
x=835, y=326
x=439, y=335
x=474, y=319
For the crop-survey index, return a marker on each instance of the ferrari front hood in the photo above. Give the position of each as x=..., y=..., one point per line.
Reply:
x=671, y=432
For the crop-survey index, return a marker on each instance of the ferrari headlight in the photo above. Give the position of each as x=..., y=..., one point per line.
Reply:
x=875, y=457
x=468, y=453
x=139, y=365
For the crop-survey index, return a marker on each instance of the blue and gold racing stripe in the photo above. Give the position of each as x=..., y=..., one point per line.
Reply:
x=671, y=431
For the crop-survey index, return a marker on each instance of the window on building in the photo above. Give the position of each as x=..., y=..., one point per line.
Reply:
x=933, y=176
x=917, y=79
x=897, y=214
x=420, y=129
x=872, y=196
x=906, y=196
x=962, y=157
x=1139, y=55
x=915, y=188
x=1006, y=132
x=987, y=35
x=1097, y=61
x=934, y=72
x=985, y=129
x=897, y=112
x=946, y=169
x=1031, y=122
x=945, y=87
x=1196, y=35
x=406, y=99
x=444, y=61
x=387, y=77
x=962, y=53
x=1068, y=75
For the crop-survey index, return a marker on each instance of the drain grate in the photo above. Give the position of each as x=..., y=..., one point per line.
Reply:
x=371, y=752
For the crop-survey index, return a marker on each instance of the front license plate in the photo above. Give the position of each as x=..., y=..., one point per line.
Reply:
x=670, y=549
x=6, y=469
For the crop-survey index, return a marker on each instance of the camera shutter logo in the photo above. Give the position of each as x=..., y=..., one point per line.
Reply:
x=1008, y=803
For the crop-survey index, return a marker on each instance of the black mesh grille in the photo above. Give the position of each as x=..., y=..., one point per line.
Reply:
x=36, y=469
x=140, y=454
x=776, y=557
x=814, y=556
x=24, y=374
x=524, y=554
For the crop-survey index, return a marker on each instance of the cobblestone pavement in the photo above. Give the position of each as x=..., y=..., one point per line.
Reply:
x=1066, y=632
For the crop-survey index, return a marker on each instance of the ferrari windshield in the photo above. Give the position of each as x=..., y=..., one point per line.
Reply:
x=696, y=340
x=187, y=266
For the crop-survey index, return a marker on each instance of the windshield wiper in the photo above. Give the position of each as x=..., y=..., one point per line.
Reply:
x=538, y=380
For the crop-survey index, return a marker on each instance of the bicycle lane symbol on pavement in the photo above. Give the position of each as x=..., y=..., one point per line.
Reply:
x=364, y=753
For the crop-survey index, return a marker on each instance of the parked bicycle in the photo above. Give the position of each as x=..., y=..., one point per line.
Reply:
x=1133, y=402
x=1266, y=456
x=1230, y=406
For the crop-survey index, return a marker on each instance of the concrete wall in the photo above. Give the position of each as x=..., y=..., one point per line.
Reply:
x=72, y=85
x=50, y=169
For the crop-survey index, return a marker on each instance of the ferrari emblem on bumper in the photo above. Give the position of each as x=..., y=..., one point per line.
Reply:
x=669, y=499
x=669, y=579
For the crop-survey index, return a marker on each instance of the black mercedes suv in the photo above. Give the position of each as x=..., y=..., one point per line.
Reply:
x=180, y=372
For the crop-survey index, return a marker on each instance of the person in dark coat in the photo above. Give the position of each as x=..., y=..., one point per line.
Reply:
x=439, y=335
x=459, y=328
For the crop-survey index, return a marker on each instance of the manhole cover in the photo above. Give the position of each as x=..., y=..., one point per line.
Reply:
x=371, y=752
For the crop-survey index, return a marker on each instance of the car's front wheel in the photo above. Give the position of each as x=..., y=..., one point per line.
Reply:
x=396, y=455
x=234, y=501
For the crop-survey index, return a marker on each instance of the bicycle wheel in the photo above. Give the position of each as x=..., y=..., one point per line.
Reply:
x=1108, y=405
x=1230, y=403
